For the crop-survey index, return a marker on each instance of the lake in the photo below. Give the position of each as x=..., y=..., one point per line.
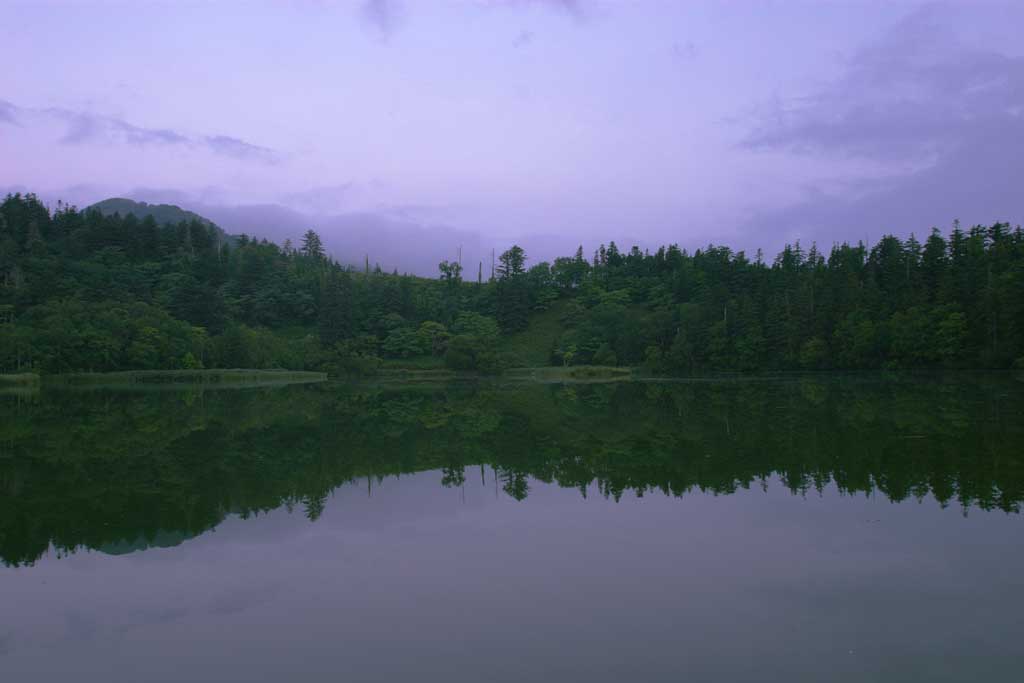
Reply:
x=804, y=528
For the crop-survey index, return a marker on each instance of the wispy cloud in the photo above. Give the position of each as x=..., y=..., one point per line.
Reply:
x=82, y=128
x=914, y=94
x=684, y=50
x=382, y=16
x=523, y=38
x=7, y=111
x=574, y=8
x=917, y=99
x=321, y=200
x=85, y=128
x=240, y=149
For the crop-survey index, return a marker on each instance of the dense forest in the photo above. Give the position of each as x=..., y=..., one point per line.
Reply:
x=120, y=471
x=85, y=291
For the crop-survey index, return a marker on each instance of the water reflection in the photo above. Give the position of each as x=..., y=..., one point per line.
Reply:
x=119, y=472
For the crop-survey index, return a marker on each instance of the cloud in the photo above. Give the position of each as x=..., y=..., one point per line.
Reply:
x=938, y=124
x=685, y=51
x=575, y=9
x=240, y=149
x=523, y=38
x=87, y=128
x=321, y=200
x=158, y=195
x=913, y=94
x=382, y=16
x=978, y=183
x=146, y=136
x=7, y=113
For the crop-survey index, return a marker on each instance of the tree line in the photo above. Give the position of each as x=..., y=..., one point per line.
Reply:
x=83, y=291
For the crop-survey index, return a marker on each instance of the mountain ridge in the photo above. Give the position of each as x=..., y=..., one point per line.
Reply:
x=161, y=213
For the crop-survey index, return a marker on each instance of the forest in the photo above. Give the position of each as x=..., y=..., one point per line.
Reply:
x=84, y=291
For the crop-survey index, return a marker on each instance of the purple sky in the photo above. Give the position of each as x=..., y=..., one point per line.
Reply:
x=551, y=122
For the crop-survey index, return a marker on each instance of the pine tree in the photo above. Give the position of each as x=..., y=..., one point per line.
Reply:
x=312, y=247
x=513, y=263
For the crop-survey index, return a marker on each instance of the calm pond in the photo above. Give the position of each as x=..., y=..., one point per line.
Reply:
x=845, y=528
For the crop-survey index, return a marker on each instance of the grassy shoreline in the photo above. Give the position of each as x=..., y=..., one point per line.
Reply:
x=19, y=379
x=230, y=376
x=239, y=378
x=572, y=373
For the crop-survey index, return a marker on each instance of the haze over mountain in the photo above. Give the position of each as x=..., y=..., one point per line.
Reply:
x=351, y=238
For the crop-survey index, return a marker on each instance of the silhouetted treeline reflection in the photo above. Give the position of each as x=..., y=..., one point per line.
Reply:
x=118, y=471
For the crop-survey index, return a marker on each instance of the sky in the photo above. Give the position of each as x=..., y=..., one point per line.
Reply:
x=408, y=128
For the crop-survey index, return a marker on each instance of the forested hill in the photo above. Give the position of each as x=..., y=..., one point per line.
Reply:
x=81, y=290
x=161, y=213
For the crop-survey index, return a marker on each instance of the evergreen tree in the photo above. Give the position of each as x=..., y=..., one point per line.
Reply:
x=513, y=263
x=312, y=247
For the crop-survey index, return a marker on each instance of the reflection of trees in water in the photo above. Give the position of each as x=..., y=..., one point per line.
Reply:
x=113, y=470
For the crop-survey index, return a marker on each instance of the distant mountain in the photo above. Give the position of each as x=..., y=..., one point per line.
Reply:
x=161, y=213
x=394, y=242
x=351, y=238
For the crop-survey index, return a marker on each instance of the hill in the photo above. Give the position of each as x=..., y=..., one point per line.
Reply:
x=161, y=213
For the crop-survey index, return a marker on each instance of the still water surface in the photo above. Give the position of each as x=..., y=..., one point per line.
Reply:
x=800, y=529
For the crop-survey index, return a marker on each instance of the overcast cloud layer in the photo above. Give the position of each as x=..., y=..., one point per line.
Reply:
x=549, y=122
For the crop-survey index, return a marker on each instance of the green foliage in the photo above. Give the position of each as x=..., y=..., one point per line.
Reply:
x=462, y=352
x=536, y=345
x=190, y=362
x=403, y=342
x=334, y=320
x=857, y=339
x=119, y=291
x=433, y=336
x=312, y=246
x=567, y=354
x=604, y=355
x=512, y=263
x=899, y=304
x=513, y=304
x=813, y=354
x=162, y=213
x=451, y=272
x=473, y=324
x=68, y=335
x=474, y=346
x=922, y=337
x=352, y=358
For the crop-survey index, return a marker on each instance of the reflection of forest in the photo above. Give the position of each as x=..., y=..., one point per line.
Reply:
x=117, y=471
